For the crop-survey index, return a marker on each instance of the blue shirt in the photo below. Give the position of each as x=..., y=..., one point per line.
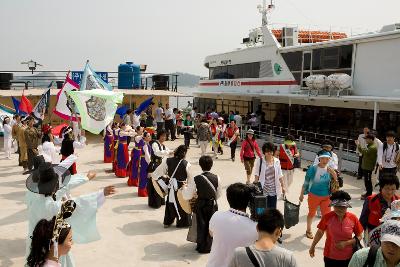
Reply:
x=318, y=186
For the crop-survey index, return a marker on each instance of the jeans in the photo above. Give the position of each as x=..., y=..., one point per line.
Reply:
x=271, y=202
x=367, y=181
x=233, y=149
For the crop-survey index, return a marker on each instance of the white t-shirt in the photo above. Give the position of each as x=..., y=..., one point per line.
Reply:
x=229, y=231
x=159, y=112
x=169, y=114
x=320, y=171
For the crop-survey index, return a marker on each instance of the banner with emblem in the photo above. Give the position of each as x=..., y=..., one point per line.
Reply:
x=91, y=80
x=96, y=107
x=65, y=106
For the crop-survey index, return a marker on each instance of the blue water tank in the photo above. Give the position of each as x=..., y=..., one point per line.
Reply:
x=136, y=76
x=125, y=75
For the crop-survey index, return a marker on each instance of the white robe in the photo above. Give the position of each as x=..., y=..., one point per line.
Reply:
x=50, y=152
x=7, y=140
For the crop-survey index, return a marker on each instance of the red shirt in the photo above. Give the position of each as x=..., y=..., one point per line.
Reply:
x=336, y=231
x=247, y=150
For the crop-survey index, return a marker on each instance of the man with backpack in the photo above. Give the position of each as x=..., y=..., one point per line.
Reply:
x=387, y=155
x=387, y=255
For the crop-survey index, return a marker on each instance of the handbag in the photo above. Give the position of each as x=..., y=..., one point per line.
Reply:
x=291, y=213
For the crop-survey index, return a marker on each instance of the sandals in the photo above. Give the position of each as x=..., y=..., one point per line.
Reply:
x=309, y=235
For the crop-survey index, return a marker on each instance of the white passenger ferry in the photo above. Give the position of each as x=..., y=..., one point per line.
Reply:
x=268, y=75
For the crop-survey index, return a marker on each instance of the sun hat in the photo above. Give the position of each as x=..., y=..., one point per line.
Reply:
x=324, y=154
x=250, y=131
x=391, y=232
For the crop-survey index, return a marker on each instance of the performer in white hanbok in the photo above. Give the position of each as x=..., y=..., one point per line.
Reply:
x=7, y=137
x=49, y=186
x=47, y=149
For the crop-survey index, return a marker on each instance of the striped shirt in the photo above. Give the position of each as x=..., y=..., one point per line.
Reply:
x=269, y=185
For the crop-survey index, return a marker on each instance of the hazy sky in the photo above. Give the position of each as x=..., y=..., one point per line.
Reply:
x=167, y=35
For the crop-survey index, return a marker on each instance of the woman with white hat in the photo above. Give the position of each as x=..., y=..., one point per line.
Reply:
x=317, y=186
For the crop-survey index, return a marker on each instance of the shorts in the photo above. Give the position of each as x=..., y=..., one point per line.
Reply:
x=315, y=201
x=248, y=165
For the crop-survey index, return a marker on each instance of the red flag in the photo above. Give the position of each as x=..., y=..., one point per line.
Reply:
x=25, y=105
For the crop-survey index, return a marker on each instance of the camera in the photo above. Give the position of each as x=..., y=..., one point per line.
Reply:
x=258, y=202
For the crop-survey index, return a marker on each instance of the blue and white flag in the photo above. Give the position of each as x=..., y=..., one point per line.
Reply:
x=42, y=105
x=90, y=80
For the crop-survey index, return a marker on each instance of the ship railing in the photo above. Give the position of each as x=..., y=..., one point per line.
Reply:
x=306, y=141
x=29, y=79
x=331, y=29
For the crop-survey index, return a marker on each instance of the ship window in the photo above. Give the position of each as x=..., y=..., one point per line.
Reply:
x=346, y=55
x=293, y=60
x=219, y=72
x=247, y=70
x=307, y=61
x=316, y=63
x=332, y=58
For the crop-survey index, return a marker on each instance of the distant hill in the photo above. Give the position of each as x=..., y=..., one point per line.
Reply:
x=187, y=79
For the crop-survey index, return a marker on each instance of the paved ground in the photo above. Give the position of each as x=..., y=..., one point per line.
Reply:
x=133, y=234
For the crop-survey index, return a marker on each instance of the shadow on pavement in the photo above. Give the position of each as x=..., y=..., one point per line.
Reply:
x=130, y=208
x=18, y=217
x=156, y=252
x=15, y=196
x=148, y=227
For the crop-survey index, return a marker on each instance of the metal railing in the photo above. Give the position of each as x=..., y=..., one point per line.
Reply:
x=58, y=76
x=309, y=141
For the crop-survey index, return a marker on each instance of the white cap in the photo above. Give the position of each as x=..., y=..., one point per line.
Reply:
x=391, y=232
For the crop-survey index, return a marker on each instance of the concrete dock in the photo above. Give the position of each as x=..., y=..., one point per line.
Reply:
x=132, y=233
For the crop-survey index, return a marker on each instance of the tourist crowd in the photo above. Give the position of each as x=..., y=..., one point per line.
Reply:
x=135, y=147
